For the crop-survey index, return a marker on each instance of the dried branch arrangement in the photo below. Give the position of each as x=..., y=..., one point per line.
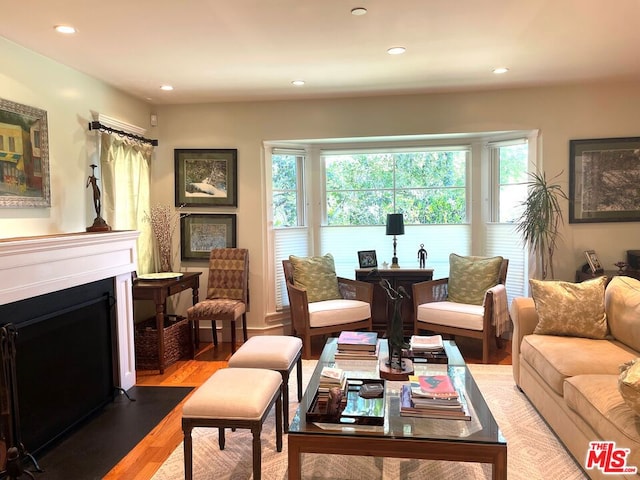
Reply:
x=164, y=221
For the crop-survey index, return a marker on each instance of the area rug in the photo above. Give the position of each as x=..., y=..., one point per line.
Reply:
x=534, y=453
x=120, y=426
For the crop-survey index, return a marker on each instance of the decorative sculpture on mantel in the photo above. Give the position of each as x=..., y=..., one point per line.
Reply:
x=99, y=224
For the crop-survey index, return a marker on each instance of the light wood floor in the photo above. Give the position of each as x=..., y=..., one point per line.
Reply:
x=146, y=458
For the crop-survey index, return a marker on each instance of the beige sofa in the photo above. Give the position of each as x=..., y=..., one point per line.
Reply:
x=572, y=381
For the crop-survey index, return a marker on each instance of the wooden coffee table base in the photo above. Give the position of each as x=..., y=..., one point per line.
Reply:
x=424, y=449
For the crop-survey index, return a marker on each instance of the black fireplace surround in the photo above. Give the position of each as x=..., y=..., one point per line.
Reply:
x=65, y=354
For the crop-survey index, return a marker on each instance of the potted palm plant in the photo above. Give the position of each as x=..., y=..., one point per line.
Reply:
x=539, y=224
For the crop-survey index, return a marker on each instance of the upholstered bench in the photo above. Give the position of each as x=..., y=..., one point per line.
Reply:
x=274, y=352
x=233, y=398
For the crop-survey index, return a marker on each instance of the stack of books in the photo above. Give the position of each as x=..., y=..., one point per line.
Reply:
x=426, y=343
x=331, y=377
x=432, y=396
x=357, y=346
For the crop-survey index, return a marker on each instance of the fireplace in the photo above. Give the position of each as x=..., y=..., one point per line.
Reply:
x=69, y=302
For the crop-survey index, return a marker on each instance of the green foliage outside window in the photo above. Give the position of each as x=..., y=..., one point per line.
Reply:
x=284, y=178
x=429, y=187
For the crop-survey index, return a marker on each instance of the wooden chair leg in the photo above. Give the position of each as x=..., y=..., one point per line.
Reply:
x=257, y=451
x=244, y=326
x=233, y=336
x=214, y=333
x=306, y=347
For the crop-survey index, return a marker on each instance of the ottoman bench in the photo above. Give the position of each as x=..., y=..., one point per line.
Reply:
x=274, y=352
x=233, y=398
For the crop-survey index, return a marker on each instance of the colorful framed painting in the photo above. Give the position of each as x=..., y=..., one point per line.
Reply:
x=201, y=232
x=206, y=177
x=604, y=175
x=24, y=156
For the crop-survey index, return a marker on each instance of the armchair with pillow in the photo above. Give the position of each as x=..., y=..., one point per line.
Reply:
x=321, y=302
x=471, y=302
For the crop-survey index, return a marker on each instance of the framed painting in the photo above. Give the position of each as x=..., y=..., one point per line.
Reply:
x=604, y=175
x=199, y=233
x=206, y=177
x=24, y=156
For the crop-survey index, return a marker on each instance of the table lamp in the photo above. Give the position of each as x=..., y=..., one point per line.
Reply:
x=395, y=226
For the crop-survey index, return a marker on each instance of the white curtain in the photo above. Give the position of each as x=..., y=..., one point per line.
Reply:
x=126, y=179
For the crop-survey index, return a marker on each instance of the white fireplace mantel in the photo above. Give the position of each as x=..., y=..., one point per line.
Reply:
x=33, y=266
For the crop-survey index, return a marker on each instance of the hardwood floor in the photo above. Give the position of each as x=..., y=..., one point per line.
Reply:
x=147, y=457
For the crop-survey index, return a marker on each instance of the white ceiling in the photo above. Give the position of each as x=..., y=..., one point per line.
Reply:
x=229, y=50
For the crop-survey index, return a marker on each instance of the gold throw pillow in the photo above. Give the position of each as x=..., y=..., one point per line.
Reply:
x=570, y=309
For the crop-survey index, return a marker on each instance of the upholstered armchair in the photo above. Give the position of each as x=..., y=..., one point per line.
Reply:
x=227, y=294
x=471, y=302
x=322, y=303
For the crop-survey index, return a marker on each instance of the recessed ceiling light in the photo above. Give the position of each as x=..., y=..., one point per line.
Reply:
x=166, y=88
x=68, y=29
x=298, y=83
x=500, y=70
x=396, y=50
x=358, y=11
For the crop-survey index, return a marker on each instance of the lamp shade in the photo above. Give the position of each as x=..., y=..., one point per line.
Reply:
x=395, y=224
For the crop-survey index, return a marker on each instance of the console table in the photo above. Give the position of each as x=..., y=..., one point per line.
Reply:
x=382, y=309
x=582, y=276
x=159, y=291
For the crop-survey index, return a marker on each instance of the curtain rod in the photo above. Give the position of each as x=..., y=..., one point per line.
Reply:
x=95, y=125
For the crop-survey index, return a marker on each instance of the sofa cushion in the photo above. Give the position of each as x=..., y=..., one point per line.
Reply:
x=470, y=277
x=629, y=384
x=556, y=358
x=622, y=304
x=596, y=399
x=317, y=275
x=573, y=309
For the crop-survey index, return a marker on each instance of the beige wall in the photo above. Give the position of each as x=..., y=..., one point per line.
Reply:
x=68, y=98
x=561, y=114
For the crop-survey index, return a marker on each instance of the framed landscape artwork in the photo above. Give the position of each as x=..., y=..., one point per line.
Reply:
x=604, y=175
x=199, y=233
x=24, y=156
x=206, y=177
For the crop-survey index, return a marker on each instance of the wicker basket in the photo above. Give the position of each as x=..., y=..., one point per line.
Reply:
x=177, y=342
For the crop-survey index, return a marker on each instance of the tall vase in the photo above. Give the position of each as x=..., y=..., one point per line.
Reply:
x=164, y=255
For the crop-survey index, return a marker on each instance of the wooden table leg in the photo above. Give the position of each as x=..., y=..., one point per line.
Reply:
x=295, y=467
x=160, y=327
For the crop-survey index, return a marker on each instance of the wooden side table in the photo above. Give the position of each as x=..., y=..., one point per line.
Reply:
x=382, y=309
x=582, y=276
x=159, y=291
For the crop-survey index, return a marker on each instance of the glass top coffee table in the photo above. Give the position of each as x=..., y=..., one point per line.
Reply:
x=476, y=440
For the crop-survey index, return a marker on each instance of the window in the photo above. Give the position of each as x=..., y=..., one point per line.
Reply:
x=289, y=234
x=286, y=178
x=509, y=166
x=458, y=193
x=427, y=186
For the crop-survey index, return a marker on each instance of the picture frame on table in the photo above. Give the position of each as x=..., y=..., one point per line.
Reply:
x=201, y=232
x=367, y=259
x=24, y=162
x=593, y=261
x=604, y=174
x=206, y=177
